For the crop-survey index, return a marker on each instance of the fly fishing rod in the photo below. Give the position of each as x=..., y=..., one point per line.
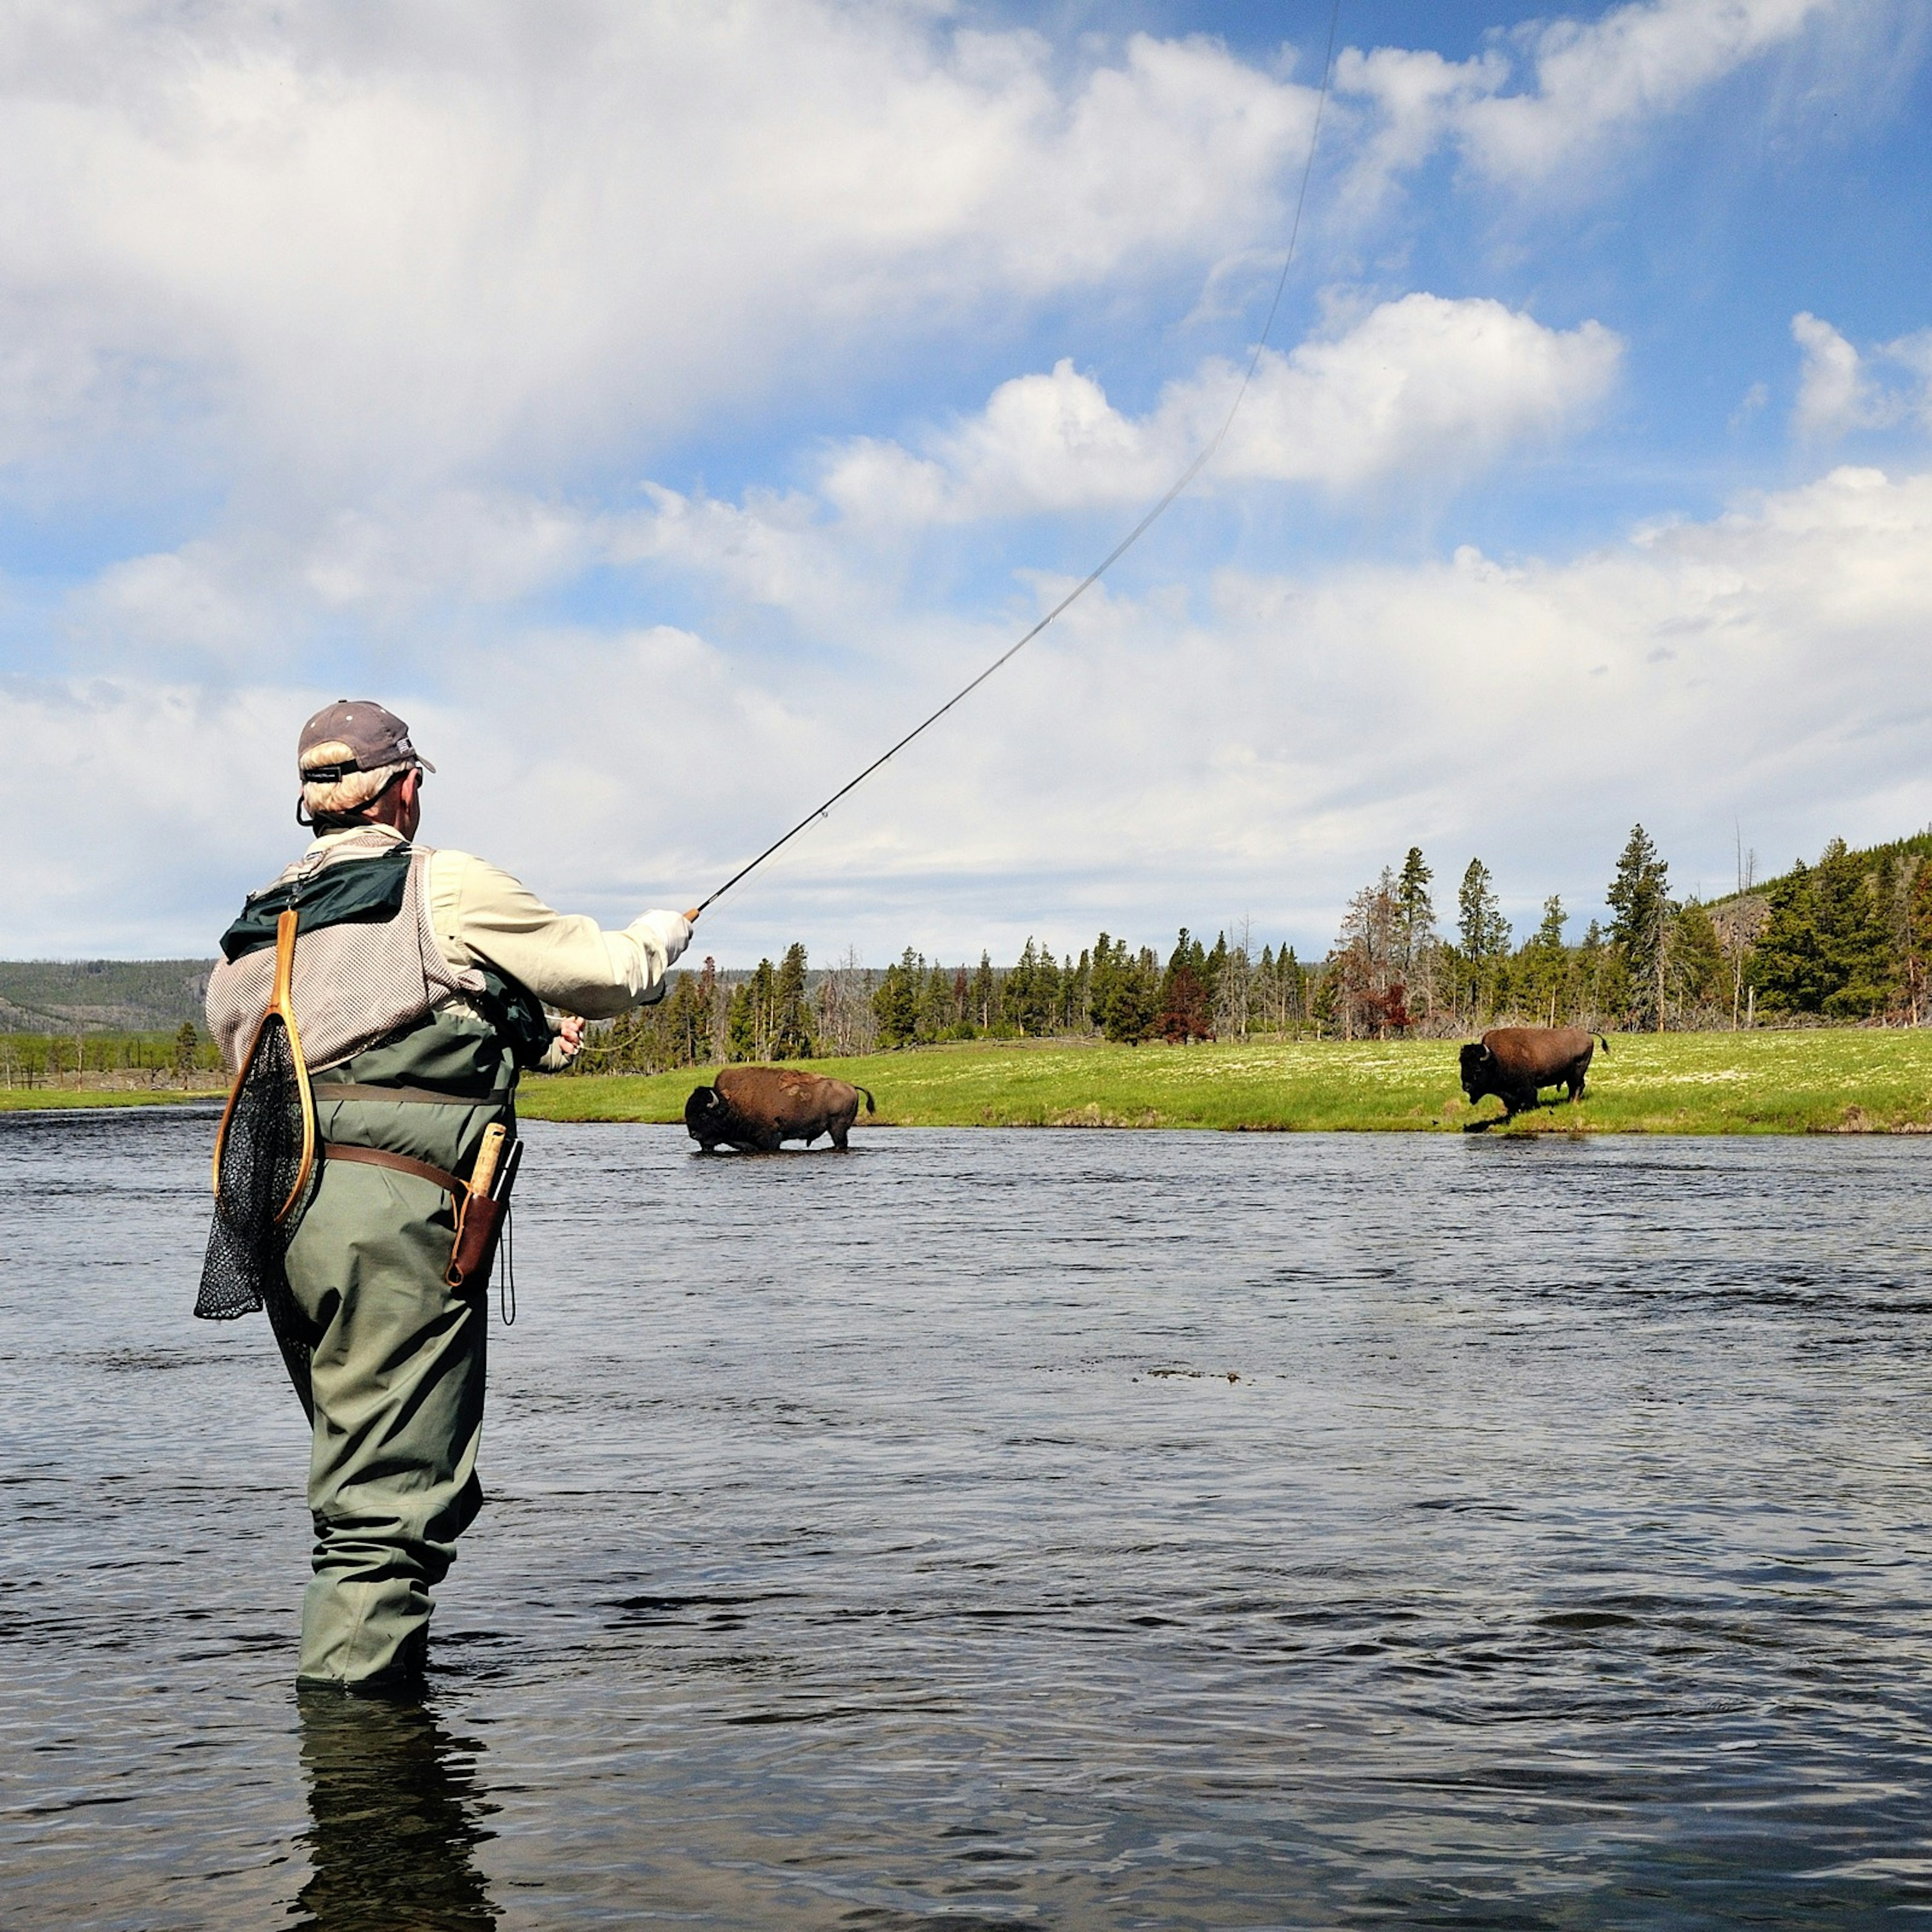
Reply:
x=1194, y=468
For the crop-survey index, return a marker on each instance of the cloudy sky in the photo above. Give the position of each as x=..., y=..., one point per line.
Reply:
x=663, y=406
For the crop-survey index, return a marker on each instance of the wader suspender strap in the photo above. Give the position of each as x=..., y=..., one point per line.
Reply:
x=401, y=1162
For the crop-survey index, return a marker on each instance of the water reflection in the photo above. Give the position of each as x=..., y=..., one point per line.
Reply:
x=396, y=1814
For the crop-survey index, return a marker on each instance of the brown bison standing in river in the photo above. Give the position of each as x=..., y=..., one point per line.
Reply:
x=1513, y=1063
x=756, y=1108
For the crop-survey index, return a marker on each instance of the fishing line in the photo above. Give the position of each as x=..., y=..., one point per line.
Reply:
x=1126, y=543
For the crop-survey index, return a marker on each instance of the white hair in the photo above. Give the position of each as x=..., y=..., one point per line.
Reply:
x=337, y=798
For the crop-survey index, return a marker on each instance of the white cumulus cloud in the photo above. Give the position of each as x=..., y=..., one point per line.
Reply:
x=1423, y=388
x=1840, y=390
x=1539, y=100
x=1262, y=743
x=417, y=242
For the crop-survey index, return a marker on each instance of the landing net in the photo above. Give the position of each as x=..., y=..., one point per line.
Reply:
x=258, y=1167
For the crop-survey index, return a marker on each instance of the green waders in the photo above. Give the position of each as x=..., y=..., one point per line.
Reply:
x=397, y=1371
x=397, y=1379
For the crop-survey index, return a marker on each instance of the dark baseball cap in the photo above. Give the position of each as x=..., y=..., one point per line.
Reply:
x=375, y=738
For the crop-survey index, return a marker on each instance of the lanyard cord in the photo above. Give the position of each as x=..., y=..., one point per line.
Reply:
x=1126, y=543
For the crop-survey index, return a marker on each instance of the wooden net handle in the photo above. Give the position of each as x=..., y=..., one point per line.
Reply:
x=283, y=1002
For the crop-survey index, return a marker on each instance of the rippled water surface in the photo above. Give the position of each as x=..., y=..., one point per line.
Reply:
x=1075, y=1529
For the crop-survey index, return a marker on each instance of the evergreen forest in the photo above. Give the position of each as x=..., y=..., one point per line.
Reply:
x=1847, y=940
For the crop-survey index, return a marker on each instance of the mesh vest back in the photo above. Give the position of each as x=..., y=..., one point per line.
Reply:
x=354, y=982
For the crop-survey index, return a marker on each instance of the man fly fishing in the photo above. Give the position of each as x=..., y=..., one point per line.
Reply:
x=365, y=1157
x=375, y=1005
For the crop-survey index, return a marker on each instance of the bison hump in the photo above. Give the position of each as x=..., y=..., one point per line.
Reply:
x=1527, y=1052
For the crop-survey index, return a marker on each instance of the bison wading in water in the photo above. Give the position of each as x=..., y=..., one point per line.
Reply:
x=755, y=1108
x=1514, y=1063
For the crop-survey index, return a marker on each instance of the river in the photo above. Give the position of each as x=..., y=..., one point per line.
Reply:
x=1003, y=1528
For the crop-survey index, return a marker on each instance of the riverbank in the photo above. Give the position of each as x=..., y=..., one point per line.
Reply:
x=101, y=1093
x=1850, y=1080
x=1826, y=1080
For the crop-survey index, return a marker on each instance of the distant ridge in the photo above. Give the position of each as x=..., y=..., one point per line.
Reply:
x=56, y=996
x=1872, y=858
x=59, y=996
x=101, y=995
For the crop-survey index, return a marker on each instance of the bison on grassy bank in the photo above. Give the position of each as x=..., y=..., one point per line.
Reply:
x=1516, y=1062
x=755, y=1108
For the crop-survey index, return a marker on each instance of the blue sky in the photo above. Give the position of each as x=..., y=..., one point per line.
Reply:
x=662, y=408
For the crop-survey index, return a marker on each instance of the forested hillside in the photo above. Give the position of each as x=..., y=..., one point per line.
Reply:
x=101, y=995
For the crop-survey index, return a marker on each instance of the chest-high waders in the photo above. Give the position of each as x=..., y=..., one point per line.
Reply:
x=394, y=1068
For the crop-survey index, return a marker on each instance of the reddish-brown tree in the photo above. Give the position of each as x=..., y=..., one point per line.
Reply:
x=1184, y=1015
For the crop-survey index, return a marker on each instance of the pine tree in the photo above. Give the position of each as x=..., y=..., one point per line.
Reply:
x=1125, y=992
x=1045, y=1006
x=1416, y=925
x=711, y=988
x=1483, y=933
x=1858, y=972
x=1185, y=947
x=1214, y=971
x=1414, y=909
x=985, y=995
x=1542, y=979
x=1787, y=966
x=938, y=1014
x=1186, y=997
x=686, y=1028
x=1294, y=980
x=1235, y=991
x=791, y=1017
x=1479, y=924
x=896, y=1004
x=1826, y=945
x=1077, y=995
x=748, y=1029
x=1639, y=899
x=1031, y=995
x=1918, y=948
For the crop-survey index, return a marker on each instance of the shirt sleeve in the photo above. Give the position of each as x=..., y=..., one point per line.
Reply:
x=483, y=917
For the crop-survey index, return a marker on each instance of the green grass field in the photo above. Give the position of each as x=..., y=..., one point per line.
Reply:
x=1849, y=1080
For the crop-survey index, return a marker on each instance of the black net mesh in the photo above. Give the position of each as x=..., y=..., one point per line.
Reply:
x=261, y=1158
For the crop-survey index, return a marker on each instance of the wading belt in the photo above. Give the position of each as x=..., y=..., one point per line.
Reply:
x=401, y=1162
x=482, y=1202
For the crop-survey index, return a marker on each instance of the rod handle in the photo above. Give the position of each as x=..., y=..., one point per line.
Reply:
x=483, y=1173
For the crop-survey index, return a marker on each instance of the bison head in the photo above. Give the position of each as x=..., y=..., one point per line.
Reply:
x=1478, y=1069
x=705, y=1113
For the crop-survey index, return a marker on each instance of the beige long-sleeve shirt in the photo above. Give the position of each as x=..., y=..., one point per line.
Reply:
x=482, y=915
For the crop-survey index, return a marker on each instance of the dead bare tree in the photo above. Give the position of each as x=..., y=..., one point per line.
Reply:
x=1366, y=966
x=1234, y=995
x=1738, y=925
x=848, y=1023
